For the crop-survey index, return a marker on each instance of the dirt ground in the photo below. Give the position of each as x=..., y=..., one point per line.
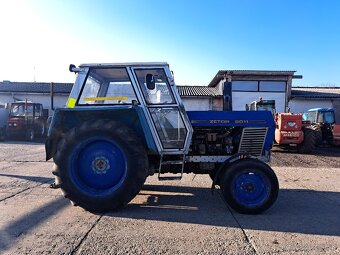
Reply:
x=171, y=217
x=326, y=156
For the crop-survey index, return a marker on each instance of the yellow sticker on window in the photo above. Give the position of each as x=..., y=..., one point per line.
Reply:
x=89, y=99
x=71, y=102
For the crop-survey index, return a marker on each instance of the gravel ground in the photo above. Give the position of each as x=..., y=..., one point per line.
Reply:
x=179, y=217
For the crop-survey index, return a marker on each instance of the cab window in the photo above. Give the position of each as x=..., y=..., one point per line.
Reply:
x=161, y=94
x=107, y=86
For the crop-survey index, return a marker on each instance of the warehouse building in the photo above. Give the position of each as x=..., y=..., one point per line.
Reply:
x=241, y=87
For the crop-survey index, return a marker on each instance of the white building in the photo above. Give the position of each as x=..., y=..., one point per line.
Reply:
x=245, y=88
x=304, y=98
x=37, y=92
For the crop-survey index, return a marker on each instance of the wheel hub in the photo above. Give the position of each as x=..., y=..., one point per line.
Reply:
x=249, y=187
x=100, y=165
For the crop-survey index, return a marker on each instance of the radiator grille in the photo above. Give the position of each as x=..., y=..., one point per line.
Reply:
x=252, y=141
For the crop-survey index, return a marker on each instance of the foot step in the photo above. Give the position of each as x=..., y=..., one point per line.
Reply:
x=169, y=178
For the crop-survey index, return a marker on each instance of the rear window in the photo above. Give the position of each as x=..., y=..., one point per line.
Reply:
x=107, y=86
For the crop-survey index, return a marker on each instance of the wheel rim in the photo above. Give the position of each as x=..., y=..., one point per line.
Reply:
x=251, y=188
x=98, y=165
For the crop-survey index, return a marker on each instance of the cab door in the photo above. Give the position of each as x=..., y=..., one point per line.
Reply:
x=163, y=109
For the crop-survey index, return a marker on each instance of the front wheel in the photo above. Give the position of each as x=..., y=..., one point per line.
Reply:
x=101, y=165
x=29, y=136
x=249, y=186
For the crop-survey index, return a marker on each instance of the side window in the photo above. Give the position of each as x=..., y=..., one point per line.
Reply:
x=90, y=90
x=329, y=117
x=121, y=92
x=37, y=110
x=107, y=86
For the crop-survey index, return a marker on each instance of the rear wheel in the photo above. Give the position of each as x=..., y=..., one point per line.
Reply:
x=318, y=135
x=308, y=144
x=101, y=165
x=249, y=186
x=2, y=134
x=42, y=130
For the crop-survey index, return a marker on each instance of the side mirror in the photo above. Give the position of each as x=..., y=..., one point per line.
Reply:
x=150, y=81
x=73, y=69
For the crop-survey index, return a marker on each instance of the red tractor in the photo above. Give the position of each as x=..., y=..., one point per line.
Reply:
x=26, y=120
x=291, y=129
x=325, y=123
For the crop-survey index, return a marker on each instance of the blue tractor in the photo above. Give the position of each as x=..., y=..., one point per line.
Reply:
x=125, y=122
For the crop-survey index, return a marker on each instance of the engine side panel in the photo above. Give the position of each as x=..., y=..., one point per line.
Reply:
x=233, y=122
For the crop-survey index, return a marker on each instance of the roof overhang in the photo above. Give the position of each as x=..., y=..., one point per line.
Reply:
x=253, y=74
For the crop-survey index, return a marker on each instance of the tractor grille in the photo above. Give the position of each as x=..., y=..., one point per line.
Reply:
x=252, y=141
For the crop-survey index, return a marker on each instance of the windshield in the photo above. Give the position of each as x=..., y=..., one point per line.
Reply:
x=107, y=86
x=20, y=110
x=311, y=116
x=265, y=107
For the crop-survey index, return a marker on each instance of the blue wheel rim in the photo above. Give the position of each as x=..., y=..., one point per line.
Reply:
x=251, y=188
x=98, y=165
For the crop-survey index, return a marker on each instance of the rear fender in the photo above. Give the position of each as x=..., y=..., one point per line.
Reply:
x=64, y=119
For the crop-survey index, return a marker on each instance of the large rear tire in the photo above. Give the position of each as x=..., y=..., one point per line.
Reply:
x=249, y=186
x=318, y=135
x=101, y=165
x=308, y=144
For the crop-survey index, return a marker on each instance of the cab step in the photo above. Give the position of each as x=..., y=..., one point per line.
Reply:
x=177, y=161
x=174, y=162
x=169, y=178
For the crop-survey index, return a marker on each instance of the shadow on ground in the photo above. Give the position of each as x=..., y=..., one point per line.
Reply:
x=10, y=233
x=29, y=178
x=296, y=211
x=39, y=141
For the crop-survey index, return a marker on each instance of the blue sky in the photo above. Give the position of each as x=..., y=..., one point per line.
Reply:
x=39, y=39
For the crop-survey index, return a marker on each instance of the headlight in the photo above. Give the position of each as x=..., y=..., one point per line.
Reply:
x=9, y=124
x=291, y=123
x=15, y=124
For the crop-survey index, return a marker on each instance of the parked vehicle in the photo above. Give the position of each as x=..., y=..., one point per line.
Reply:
x=124, y=122
x=291, y=129
x=324, y=124
x=3, y=121
x=26, y=120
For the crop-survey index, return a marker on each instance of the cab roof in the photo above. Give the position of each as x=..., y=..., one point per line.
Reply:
x=321, y=110
x=130, y=64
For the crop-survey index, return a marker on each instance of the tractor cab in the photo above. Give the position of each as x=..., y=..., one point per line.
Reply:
x=320, y=115
x=262, y=105
x=143, y=95
x=325, y=123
